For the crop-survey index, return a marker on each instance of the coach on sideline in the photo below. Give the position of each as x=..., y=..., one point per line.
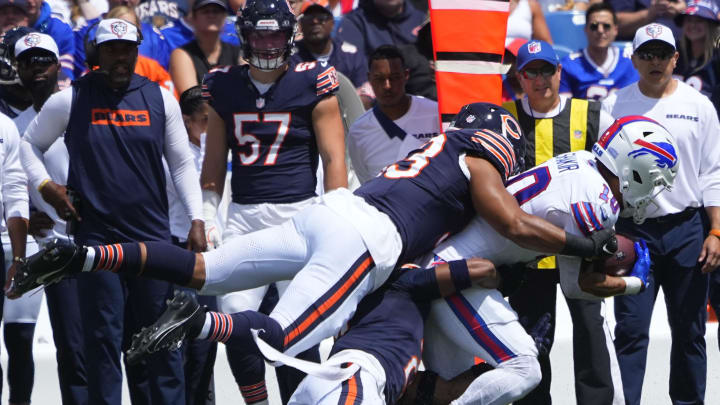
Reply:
x=118, y=126
x=683, y=248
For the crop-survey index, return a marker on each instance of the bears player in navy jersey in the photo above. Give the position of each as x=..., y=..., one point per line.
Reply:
x=344, y=247
x=279, y=119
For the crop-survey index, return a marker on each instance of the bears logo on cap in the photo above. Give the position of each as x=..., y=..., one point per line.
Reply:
x=534, y=47
x=32, y=39
x=654, y=30
x=119, y=28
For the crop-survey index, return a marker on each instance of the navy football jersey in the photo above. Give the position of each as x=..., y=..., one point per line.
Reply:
x=271, y=136
x=703, y=80
x=427, y=195
x=389, y=325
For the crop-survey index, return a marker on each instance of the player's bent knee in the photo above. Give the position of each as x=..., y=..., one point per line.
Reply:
x=527, y=369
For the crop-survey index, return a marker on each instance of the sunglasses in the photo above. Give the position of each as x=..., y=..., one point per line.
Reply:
x=322, y=18
x=545, y=71
x=38, y=60
x=596, y=25
x=662, y=54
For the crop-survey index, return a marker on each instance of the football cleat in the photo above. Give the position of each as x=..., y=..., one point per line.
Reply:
x=55, y=261
x=184, y=317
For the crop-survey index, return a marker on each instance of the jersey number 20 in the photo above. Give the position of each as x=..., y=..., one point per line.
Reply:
x=243, y=138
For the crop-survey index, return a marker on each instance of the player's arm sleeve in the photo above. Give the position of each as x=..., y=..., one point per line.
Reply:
x=180, y=159
x=709, y=176
x=14, y=185
x=47, y=126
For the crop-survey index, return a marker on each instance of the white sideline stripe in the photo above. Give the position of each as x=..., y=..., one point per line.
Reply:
x=476, y=5
x=471, y=67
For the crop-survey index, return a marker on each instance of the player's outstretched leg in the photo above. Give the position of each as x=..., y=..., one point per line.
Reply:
x=60, y=258
x=185, y=318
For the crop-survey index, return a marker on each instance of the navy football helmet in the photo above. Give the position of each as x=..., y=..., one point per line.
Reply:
x=491, y=117
x=267, y=31
x=8, y=70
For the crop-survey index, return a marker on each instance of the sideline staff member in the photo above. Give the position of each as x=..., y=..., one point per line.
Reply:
x=682, y=246
x=118, y=130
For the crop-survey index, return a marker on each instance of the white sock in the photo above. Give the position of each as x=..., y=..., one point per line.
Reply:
x=205, y=329
x=89, y=259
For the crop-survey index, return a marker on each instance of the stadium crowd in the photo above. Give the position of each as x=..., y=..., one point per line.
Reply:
x=196, y=122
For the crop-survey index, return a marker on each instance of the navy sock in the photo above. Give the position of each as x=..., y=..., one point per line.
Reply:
x=168, y=263
x=117, y=258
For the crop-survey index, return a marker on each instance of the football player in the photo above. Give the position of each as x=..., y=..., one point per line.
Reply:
x=581, y=192
x=578, y=191
x=277, y=118
x=345, y=246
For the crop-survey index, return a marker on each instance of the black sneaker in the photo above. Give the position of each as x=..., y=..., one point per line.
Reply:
x=184, y=317
x=54, y=262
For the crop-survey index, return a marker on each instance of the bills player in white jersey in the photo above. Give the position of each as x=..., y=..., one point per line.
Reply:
x=581, y=192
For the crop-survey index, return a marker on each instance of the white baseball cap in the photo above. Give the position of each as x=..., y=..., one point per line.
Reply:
x=653, y=32
x=115, y=29
x=36, y=40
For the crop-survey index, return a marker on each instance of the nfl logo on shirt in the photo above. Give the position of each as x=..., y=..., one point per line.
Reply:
x=534, y=47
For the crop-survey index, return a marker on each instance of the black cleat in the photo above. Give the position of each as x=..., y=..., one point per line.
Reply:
x=56, y=260
x=184, y=317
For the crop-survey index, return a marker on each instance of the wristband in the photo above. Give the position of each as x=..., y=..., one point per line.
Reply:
x=43, y=184
x=460, y=274
x=577, y=246
x=715, y=232
x=633, y=285
x=18, y=259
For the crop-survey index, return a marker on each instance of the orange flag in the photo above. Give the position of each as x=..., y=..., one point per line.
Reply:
x=468, y=42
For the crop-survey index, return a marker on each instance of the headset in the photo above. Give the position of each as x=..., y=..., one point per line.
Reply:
x=90, y=45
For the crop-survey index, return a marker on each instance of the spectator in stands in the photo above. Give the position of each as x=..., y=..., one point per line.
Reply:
x=180, y=32
x=316, y=24
x=160, y=12
x=420, y=62
x=190, y=62
x=699, y=63
x=380, y=22
x=38, y=15
x=397, y=124
x=153, y=46
x=512, y=90
x=526, y=21
x=632, y=14
x=601, y=68
x=554, y=124
x=551, y=6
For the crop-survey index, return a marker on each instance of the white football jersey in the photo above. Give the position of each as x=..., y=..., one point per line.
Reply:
x=567, y=191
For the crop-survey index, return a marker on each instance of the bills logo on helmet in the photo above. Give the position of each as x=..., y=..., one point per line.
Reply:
x=654, y=30
x=119, y=28
x=534, y=47
x=32, y=40
x=663, y=152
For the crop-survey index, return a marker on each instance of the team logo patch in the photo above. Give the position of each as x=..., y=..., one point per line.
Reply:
x=260, y=102
x=654, y=30
x=577, y=134
x=534, y=47
x=32, y=40
x=119, y=28
x=663, y=152
x=470, y=118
